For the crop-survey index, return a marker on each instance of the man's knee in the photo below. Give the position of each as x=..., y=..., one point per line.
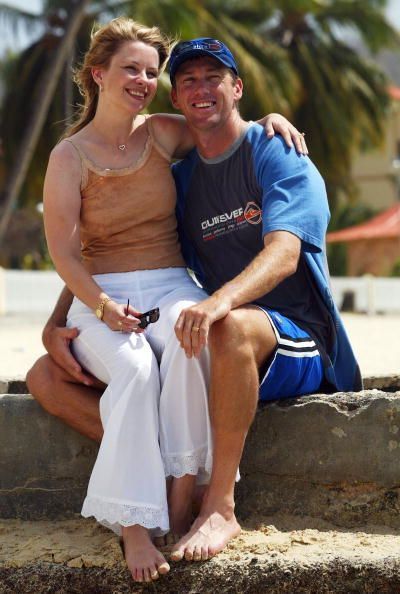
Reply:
x=245, y=334
x=229, y=336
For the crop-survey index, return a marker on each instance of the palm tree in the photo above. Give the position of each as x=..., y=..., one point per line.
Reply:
x=45, y=87
x=342, y=99
x=187, y=18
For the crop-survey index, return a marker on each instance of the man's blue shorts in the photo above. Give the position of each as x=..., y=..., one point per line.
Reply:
x=296, y=367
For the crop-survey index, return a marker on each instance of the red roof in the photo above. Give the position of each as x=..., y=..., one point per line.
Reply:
x=384, y=225
x=394, y=92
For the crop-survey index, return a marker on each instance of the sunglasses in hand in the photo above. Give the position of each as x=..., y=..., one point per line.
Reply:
x=146, y=318
x=149, y=317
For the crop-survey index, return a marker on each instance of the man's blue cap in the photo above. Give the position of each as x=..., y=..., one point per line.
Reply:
x=203, y=46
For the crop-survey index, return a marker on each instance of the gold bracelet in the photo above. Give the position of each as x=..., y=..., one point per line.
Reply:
x=100, y=307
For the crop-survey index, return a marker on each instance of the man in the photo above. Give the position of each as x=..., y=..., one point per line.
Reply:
x=252, y=218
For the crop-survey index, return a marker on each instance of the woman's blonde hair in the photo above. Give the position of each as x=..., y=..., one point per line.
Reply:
x=105, y=43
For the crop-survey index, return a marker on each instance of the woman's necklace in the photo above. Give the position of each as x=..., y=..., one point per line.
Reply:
x=121, y=147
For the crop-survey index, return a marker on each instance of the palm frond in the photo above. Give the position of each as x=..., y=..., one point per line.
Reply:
x=363, y=16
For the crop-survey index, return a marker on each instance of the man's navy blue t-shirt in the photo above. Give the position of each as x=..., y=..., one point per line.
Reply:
x=225, y=207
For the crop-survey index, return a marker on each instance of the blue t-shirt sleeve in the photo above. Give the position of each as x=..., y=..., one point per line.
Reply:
x=293, y=193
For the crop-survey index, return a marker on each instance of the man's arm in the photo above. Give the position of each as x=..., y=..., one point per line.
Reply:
x=278, y=260
x=57, y=339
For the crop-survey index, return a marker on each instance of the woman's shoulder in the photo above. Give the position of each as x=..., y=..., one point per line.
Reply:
x=66, y=155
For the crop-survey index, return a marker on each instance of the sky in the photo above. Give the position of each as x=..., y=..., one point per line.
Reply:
x=9, y=39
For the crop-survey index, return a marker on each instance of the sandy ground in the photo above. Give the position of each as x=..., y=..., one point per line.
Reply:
x=83, y=543
x=376, y=341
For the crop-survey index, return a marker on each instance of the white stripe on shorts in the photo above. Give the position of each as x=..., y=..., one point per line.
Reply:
x=299, y=354
x=297, y=344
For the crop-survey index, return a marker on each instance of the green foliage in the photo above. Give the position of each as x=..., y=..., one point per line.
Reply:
x=343, y=97
x=292, y=55
x=396, y=269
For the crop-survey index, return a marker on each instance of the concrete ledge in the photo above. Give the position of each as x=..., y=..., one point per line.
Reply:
x=44, y=465
x=334, y=457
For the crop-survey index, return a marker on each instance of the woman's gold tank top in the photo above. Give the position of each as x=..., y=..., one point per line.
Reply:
x=127, y=219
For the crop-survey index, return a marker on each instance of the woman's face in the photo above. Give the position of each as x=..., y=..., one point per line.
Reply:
x=130, y=81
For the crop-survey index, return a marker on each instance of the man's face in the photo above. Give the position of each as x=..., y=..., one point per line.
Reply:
x=205, y=92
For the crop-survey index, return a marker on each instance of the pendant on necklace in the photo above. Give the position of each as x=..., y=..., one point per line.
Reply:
x=122, y=147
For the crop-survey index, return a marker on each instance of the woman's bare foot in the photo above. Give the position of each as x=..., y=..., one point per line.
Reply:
x=209, y=534
x=145, y=562
x=181, y=516
x=180, y=500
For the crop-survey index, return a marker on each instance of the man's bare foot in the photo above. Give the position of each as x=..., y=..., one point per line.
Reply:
x=145, y=562
x=209, y=534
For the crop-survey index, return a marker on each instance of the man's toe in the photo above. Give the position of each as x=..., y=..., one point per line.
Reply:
x=204, y=553
x=189, y=554
x=177, y=555
x=197, y=554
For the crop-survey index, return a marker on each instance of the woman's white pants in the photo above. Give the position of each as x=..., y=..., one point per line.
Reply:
x=155, y=409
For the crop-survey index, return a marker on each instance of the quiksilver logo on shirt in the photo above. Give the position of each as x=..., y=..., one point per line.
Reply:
x=230, y=222
x=222, y=218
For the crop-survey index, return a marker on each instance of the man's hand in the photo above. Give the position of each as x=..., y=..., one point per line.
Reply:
x=57, y=342
x=193, y=325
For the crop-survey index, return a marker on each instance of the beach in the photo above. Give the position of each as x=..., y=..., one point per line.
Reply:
x=375, y=339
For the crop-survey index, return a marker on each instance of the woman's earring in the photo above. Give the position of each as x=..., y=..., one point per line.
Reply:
x=101, y=88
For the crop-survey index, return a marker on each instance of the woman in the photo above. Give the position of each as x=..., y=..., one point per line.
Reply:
x=109, y=216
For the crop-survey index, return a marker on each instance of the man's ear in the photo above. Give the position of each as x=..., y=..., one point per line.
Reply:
x=238, y=89
x=174, y=98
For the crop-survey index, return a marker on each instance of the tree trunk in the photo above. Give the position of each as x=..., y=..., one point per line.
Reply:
x=45, y=90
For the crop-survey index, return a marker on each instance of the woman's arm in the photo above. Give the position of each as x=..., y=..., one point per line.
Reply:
x=62, y=204
x=173, y=134
x=275, y=123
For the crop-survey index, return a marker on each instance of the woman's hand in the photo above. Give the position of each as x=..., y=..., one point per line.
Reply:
x=276, y=123
x=121, y=318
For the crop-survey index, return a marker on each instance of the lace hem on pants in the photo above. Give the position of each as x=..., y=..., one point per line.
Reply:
x=177, y=465
x=113, y=515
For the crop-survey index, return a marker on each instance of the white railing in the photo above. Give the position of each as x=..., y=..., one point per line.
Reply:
x=24, y=291
x=36, y=291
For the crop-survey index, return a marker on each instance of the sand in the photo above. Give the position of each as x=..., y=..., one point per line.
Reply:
x=83, y=543
x=376, y=341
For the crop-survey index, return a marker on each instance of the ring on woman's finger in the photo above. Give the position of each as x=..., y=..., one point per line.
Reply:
x=119, y=323
x=302, y=134
x=195, y=329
